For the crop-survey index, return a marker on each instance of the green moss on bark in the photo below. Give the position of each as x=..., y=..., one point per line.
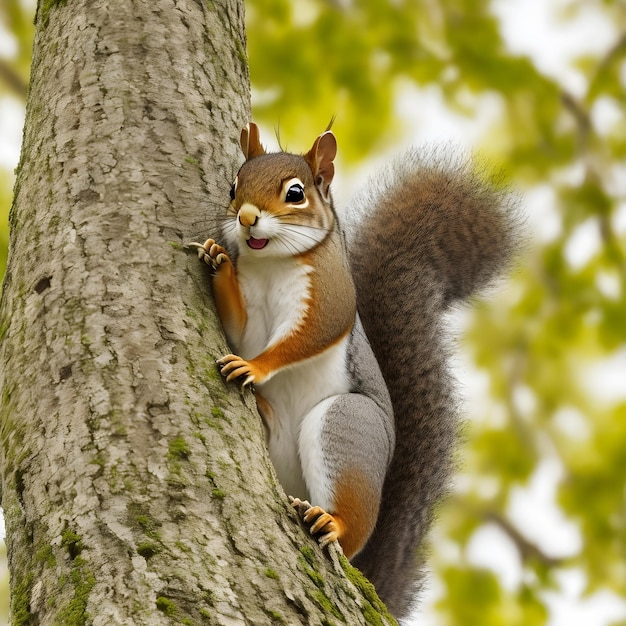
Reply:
x=325, y=603
x=165, y=605
x=179, y=448
x=20, y=608
x=45, y=6
x=148, y=549
x=83, y=580
x=374, y=610
x=72, y=542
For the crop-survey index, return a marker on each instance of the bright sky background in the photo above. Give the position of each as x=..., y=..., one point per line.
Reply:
x=529, y=28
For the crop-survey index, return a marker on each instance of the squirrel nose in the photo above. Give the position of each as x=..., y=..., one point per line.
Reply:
x=248, y=215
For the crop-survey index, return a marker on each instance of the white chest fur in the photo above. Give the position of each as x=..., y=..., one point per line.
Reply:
x=276, y=294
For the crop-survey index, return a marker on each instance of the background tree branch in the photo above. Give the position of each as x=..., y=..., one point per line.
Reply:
x=12, y=80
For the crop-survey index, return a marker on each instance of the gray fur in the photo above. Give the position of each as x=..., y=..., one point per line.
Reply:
x=435, y=233
x=360, y=422
x=354, y=422
x=367, y=410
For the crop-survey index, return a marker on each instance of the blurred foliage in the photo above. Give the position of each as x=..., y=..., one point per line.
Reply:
x=16, y=28
x=5, y=203
x=563, y=312
x=16, y=20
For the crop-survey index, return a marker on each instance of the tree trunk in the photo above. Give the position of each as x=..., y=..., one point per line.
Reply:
x=136, y=485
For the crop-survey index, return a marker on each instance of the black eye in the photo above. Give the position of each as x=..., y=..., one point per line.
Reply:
x=295, y=193
x=232, y=192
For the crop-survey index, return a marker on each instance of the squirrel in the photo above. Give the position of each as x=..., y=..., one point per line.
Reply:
x=340, y=333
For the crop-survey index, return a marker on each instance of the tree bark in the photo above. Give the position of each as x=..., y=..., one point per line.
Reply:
x=136, y=484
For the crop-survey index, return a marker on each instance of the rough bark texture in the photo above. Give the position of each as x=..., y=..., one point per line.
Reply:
x=136, y=486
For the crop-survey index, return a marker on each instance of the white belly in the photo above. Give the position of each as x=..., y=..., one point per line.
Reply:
x=276, y=293
x=292, y=393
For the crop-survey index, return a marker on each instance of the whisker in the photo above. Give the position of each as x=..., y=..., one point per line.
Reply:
x=287, y=244
x=303, y=240
x=300, y=228
x=302, y=232
x=297, y=228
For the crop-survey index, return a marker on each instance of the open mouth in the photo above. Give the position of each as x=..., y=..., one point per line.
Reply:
x=257, y=244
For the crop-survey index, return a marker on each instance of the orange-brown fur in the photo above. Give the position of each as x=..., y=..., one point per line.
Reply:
x=229, y=301
x=356, y=510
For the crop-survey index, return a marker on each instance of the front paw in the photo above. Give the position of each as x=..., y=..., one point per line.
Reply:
x=321, y=524
x=233, y=366
x=211, y=253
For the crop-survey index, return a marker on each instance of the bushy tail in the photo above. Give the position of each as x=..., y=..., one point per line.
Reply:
x=436, y=233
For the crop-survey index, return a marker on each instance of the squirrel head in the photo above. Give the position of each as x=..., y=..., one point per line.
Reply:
x=280, y=202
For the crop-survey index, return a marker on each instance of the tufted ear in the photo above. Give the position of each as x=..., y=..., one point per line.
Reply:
x=320, y=159
x=250, y=141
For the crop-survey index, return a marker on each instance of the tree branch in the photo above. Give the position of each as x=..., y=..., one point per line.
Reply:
x=16, y=83
x=526, y=548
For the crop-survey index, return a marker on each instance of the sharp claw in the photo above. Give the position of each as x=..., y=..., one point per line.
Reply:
x=327, y=539
x=232, y=366
x=225, y=359
x=318, y=524
x=313, y=513
x=241, y=371
x=210, y=252
x=201, y=252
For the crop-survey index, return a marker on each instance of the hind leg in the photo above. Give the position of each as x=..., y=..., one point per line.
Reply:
x=344, y=450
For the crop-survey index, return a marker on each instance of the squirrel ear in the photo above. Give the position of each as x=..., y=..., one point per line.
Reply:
x=250, y=141
x=320, y=159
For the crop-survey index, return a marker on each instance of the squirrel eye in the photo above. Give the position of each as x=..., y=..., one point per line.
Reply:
x=295, y=193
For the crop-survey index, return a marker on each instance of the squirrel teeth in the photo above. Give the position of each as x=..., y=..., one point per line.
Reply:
x=257, y=244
